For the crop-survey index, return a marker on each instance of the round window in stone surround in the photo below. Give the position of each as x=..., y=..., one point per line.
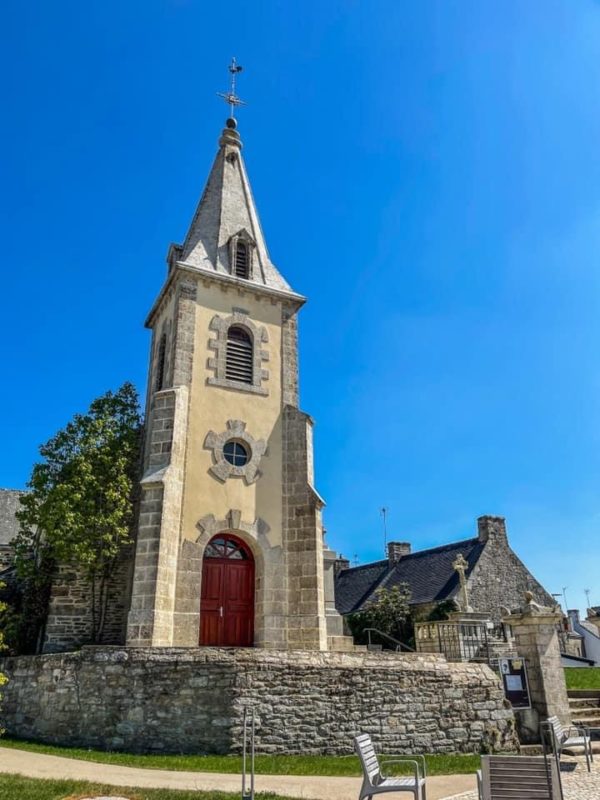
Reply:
x=236, y=453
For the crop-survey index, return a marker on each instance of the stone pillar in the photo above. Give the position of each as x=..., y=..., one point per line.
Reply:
x=534, y=629
x=302, y=537
x=335, y=623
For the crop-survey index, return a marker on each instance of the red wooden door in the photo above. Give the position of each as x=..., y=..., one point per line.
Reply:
x=227, y=601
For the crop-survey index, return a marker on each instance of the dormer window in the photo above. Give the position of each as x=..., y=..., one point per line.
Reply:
x=241, y=255
x=242, y=260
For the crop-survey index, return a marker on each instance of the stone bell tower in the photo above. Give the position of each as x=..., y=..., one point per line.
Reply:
x=230, y=542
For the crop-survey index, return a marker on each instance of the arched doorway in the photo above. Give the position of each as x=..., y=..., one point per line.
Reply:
x=227, y=600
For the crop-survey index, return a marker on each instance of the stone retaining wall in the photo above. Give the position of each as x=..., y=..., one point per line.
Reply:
x=192, y=700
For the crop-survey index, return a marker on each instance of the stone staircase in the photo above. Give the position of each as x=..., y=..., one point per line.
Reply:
x=344, y=644
x=585, y=708
x=585, y=711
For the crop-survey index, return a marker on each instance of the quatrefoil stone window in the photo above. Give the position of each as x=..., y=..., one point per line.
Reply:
x=227, y=448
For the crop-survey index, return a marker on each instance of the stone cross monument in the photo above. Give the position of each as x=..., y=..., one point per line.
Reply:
x=461, y=566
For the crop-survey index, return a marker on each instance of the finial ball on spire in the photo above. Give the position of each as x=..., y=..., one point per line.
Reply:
x=231, y=123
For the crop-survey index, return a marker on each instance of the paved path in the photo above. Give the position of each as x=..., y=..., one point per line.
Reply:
x=38, y=765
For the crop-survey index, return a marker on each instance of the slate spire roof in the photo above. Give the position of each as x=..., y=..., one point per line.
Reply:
x=227, y=209
x=429, y=574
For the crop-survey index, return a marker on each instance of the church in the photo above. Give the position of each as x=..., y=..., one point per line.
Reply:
x=229, y=548
x=228, y=596
x=229, y=545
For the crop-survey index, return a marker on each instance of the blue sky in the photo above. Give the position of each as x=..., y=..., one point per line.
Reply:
x=428, y=173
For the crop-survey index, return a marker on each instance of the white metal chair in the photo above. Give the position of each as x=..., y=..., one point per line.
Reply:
x=572, y=736
x=375, y=781
x=522, y=777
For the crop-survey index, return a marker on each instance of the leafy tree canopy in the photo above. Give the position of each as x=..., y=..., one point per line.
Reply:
x=389, y=613
x=80, y=505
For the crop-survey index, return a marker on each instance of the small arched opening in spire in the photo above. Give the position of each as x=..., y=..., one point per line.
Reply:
x=239, y=357
x=241, y=267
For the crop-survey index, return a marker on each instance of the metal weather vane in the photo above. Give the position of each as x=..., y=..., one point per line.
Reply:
x=231, y=97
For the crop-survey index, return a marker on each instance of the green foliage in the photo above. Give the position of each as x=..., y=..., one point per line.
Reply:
x=437, y=764
x=583, y=677
x=80, y=506
x=3, y=678
x=389, y=613
x=442, y=611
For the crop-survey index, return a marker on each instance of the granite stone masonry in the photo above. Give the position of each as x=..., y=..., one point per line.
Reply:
x=191, y=700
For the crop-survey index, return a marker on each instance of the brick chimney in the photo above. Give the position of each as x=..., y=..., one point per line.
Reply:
x=340, y=564
x=397, y=550
x=492, y=529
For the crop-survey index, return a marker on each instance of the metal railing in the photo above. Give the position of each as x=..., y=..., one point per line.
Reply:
x=460, y=640
x=398, y=645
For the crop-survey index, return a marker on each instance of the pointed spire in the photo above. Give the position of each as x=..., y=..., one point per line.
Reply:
x=226, y=212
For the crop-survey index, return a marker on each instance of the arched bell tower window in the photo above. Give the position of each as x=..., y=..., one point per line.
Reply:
x=239, y=356
x=242, y=260
x=240, y=353
x=160, y=362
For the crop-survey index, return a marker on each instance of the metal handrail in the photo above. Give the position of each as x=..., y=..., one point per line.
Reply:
x=399, y=645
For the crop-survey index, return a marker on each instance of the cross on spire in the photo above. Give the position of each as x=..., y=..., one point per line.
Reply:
x=230, y=97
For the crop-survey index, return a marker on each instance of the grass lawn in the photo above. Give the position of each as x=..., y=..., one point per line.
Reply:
x=265, y=765
x=582, y=678
x=15, y=787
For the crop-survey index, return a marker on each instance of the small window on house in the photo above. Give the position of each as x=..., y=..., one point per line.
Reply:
x=160, y=363
x=242, y=260
x=239, y=356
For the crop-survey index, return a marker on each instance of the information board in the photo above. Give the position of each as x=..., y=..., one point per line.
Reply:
x=514, y=680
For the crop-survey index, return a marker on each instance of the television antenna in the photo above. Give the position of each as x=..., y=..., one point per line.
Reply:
x=384, y=512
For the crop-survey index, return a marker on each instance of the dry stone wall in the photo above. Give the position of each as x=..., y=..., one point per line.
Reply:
x=192, y=700
x=69, y=622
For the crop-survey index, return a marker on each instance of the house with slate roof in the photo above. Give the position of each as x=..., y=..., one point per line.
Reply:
x=495, y=575
x=590, y=635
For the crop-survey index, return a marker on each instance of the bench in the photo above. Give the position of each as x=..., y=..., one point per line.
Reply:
x=510, y=777
x=375, y=781
x=571, y=736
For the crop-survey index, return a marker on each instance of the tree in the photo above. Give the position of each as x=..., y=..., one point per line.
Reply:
x=388, y=612
x=80, y=506
x=442, y=610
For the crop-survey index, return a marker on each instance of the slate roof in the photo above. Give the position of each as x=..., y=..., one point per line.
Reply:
x=226, y=208
x=9, y=503
x=429, y=574
x=590, y=628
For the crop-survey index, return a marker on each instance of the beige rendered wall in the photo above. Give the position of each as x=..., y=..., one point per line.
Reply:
x=211, y=406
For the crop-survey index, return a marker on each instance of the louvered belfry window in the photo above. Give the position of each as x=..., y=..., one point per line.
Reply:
x=238, y=363
x=242, y=260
